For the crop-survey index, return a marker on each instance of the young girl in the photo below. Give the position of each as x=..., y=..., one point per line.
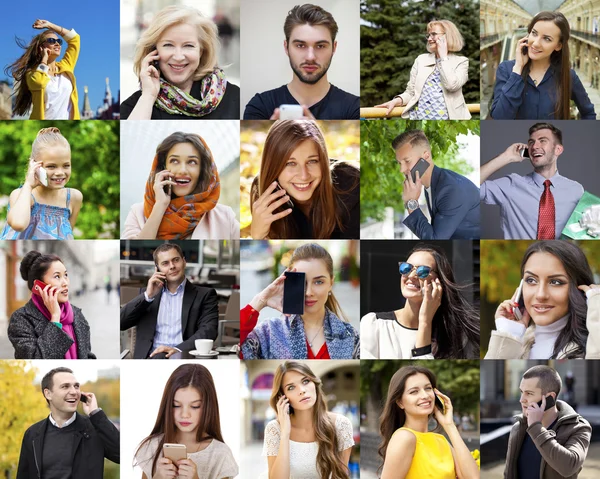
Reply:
x=45, y=211
x=188, y=415
x=556, y=322
x=299, y=193
x=539, y=84
x=305, y=440
x=408, y=449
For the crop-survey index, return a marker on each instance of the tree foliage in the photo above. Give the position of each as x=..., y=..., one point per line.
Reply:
x=95, y=169
x=392, y=36
x=381, y=182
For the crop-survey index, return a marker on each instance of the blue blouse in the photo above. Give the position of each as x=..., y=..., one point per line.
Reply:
x=538, y=102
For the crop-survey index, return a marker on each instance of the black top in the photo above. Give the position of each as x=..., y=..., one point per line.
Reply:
x=58, y=451
x=336, y=105
x=228, y=109
x=530, y=458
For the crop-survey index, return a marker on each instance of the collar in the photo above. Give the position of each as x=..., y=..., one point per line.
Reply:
x=552, y=328
x=539, y=179
x=179, y=289
x=70, y=421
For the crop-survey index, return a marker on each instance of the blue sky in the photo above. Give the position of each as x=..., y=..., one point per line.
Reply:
x=97, y=22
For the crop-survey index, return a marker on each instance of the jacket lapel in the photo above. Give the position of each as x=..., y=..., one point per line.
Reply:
x=38, y=444
x=435, y=178
x=80, y=335
x=189, y=295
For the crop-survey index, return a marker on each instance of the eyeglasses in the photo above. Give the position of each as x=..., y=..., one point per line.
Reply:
x=434, y=35
x=422, y=271
x=53, y=40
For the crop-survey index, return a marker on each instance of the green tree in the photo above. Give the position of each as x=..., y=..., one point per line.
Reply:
x=392, y=36
x=380, y=179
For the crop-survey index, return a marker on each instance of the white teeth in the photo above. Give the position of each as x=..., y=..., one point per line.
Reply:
x=182, y=182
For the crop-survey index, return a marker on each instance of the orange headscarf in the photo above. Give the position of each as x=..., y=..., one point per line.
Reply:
x=183, y=213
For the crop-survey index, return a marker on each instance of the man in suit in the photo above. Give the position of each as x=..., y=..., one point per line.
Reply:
x=66, y=443
x=172, y=313
x=452, y=199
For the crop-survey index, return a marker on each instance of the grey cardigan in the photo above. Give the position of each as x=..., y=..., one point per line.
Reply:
x=35, y=337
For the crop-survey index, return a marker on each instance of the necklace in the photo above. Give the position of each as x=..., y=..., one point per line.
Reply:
x=314, y=337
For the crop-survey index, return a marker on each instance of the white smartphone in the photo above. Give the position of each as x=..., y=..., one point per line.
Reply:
x=518, y=310
x=42, y=175
x=290, y=112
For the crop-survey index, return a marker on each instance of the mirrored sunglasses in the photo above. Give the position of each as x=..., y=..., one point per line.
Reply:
x=422, y=271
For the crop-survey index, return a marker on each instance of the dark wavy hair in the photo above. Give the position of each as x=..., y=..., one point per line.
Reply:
x=34, y=266
x=455, y=320
x=579, y=272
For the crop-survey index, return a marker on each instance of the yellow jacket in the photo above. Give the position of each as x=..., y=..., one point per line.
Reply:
x=37, y=79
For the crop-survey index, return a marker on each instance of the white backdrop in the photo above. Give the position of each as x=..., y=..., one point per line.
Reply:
x=142, y=385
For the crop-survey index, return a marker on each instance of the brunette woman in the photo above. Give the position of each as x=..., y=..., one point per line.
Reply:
x=300, y=193
x=188, y=415
x=436, y=320
x=46, y=85
x=305, y=440
x=539, y=84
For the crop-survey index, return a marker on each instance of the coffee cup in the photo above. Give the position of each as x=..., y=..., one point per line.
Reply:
x=203, y=346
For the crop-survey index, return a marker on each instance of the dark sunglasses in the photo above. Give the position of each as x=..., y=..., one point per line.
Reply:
x=53, y=40
x=422, y=271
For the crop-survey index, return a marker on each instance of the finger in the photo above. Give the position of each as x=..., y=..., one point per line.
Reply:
x=275, y=115
x=307, y=113
x=268, y=191
x=584, y=288
x=153, y=72
x=283, y=214
x=276, y=204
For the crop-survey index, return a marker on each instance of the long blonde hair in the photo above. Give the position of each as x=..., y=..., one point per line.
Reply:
x=329, y=460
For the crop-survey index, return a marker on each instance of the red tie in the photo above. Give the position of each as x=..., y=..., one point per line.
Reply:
x=546, y=215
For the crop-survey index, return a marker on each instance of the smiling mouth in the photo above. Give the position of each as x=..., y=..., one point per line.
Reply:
x=72, y=401
x=178, y=68
x=58, y=180
x=537, y=155
x=425, y=404
x=184, y=181
x=533, y=50
x=542, y=308
x=302, y=186
x=413, y=286
x=310, y=302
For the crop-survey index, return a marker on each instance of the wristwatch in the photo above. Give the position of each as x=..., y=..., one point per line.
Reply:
x=412, y=205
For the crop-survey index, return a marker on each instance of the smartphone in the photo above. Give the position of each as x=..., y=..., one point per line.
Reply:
x=290, y=112
x=83, y=398
x=440, y=404
x=525, y=152
x=524, y=50
x=155, y=62
x=421, y=167
x=38, y=284
x=42, y=176
x=287, y=204
x=550, y=402
x=164, y=281
x=175, y=452
x=294, y=290
x=519, y=310
x=290, y=408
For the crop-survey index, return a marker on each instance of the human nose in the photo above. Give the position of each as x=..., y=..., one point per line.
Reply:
x=178, y=54
x=542, y=291
x=304, y=174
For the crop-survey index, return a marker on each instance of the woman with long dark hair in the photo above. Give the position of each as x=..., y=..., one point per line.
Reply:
x=181, y=197
x=550, y=318
x=305, y=440
x=188, y=415
x=48, y=326
x=436, y=320
x=300, y=193
x=539, y=84
x=41, y=81
x=408, y=449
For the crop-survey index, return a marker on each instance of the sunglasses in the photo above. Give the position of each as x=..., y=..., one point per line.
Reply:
x=422, y=271
x=52, y=41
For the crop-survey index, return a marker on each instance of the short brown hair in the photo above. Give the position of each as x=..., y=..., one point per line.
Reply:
x=547, y=126
x=414, y=137
x=548, y=379
x=166, y=247
x=48, y=379
x=309, y=14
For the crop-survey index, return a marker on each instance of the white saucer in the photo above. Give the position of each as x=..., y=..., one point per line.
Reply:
x=207, y=355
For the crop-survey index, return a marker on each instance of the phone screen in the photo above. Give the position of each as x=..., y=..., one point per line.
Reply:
x=421, y=166
x=550, y=402
x=525, y=153
x=294, y=288
x=83, y=398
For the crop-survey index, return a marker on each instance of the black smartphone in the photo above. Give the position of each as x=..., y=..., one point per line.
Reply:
x=525, y=153
x=287, y=204
x=524, y=50
x=83, y=398
x=440, y=404
x=550, y=402
x=164, y=281
x=290, y=408
x=294, y=289
x=155, y=62
x=421, y=166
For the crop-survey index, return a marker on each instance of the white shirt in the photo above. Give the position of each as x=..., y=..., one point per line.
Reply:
x=68, y=422
x=57, y=98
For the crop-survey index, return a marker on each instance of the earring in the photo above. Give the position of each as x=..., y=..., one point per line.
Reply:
x=329, y=293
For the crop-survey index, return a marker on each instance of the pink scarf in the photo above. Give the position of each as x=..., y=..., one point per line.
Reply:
x=66, y=319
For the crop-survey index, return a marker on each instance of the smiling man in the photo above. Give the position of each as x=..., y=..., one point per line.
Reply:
x=310, y=44
x=537, y=205
x=66, y=443
x=550, y=440
x=172, y=313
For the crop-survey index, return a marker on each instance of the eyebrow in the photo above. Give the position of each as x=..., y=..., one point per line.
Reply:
x=291, y=384
x=68, y=384
x=196, y=400
x=526, y=391
x=173, y=41
x=550, y=276
x=311, y=156
x=319, y=277
x=545, y=34
x=540, y=138
x=319, y=42
x=417, y=387
x=177, y=156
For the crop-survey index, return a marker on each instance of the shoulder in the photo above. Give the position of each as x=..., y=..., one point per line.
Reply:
x=76, y=196
x=147, y=449
x=402, y=440
x=200, y=289
x=571, y=183
x=219, y=446
x=269, y=95
x=341, y=422
x=506, y=66
x=422, y=58
x=132, y=100
x=272, y=428
x=232, y=88
x=36, y=428
x=340, y=95
x=373, y=318
x=25, y=311
x=219, y=212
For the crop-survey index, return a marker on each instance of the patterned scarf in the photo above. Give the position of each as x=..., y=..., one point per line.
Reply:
x=185, y=212
x=66, y=319
x=175, y=101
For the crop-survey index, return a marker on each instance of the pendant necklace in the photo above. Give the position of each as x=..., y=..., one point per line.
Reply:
x=314, y=337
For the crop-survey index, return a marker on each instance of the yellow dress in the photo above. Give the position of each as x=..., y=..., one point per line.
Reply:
x=433, y=457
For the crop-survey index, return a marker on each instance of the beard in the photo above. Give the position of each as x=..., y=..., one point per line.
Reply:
x=313, y=78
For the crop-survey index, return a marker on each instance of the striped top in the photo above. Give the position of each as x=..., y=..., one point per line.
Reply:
x=168, y=323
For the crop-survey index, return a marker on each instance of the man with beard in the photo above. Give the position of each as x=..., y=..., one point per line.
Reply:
x=310, y=44
x=538, y=205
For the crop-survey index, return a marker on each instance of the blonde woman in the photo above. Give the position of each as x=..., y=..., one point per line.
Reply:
x=305, y=440
x=176, y=63
x=434, y=91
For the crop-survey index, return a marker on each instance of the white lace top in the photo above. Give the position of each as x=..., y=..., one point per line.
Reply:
x=214, y=462
x=303, y=455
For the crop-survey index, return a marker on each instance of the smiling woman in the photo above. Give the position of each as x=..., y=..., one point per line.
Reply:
x=48, y=326
x=176, y=63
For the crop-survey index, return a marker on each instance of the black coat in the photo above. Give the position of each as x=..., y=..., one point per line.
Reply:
x=95, y=438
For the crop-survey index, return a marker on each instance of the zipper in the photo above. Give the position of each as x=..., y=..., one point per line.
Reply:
x=36, y=461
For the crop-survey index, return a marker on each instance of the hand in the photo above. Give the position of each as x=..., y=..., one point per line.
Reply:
x=164, y=349
x=149, y=75
x=390, y=105
x=41, y=24
x=187, y=469
x=161, y=179
x=165, y=469
x=535, y=412
x=156, y=284
x=412, y=189
x=520, y=58
x=262, y=211
x=31, y=178
x=45, y=52
x=586, y=288
x=442, y=46
x=505, y=310
x=272, y=295
x=432, y=298
x=283, y=416
x=91, y=404
x=444, y=420
x=50, y=297
x=513, y=153
x=307, y=115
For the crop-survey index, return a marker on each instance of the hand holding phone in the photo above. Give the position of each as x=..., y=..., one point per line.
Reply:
x=42, y=176
x=550, y=402
x=174, y=452
x=519, y=309
x=283, y=414
x=291, y=112
x=156, y=283
x=421, y=167
x=439, y=403
x=38, y=287
x=524, y=152
x=288, y=204
x=83, y=398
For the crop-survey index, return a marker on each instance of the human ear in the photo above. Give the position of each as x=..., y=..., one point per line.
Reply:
x=285, y=47
x=334, y=47
x=558, y=149
x=558, y=47
x=399, y=404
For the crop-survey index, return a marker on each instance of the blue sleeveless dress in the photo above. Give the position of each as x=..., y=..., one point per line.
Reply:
x=46, y=222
